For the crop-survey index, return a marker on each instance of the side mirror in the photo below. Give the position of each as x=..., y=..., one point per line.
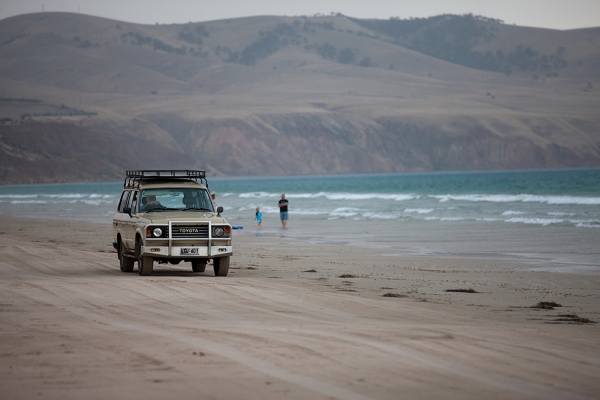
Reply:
x=127, y=210
x=219, y=210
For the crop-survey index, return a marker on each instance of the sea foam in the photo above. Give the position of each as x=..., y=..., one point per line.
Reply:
x=520, y=198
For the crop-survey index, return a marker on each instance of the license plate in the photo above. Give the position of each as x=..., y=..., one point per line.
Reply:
x=189, y=250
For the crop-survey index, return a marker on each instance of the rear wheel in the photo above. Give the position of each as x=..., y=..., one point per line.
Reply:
x=145, y=264
x=126, y=263
x=198, y=265
x=221, y=266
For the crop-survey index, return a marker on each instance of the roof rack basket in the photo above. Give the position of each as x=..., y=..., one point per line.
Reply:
x=133, y=176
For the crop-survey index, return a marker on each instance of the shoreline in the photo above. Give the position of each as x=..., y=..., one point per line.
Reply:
x=560, y=249
x=292, y=319
x=556, y=249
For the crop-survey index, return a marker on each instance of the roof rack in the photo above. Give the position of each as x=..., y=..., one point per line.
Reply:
x=166, y=173
x=134, y=176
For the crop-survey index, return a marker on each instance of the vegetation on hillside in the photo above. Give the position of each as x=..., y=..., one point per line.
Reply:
x=291, y=34
x=194, y=35
x=37, y=108
x=65, y=111
x=140, y=40
x=453, y=37
x=269, y=43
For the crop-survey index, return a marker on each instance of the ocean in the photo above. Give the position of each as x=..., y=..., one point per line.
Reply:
x=548, y=218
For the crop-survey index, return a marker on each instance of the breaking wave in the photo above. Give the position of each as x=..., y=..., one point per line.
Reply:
x=519, y=198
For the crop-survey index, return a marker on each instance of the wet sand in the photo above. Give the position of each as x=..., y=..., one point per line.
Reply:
x=292, y=320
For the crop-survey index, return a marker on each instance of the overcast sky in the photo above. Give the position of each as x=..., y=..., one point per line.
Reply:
x=556, y=14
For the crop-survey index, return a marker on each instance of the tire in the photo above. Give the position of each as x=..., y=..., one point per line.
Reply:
x=221, y=266
x=198, y=265
x=126, y=263
x=145, y=264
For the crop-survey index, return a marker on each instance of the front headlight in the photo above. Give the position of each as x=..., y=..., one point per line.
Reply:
x=219, y=231
x=154, y=232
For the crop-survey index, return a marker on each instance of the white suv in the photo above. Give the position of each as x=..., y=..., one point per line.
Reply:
x=167, y=216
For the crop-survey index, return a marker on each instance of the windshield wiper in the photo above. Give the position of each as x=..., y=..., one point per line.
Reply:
x=197, y=209
x=161, y=209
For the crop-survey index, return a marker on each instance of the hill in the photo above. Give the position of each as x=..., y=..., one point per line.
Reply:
x=83, y=98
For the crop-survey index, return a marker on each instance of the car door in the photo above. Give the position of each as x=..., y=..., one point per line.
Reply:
x=130, y=220
x=121, y=219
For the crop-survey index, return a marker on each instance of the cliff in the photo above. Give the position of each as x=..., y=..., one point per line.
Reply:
x=83, y=98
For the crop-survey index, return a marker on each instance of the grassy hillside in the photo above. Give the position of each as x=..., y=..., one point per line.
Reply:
x=293, y=95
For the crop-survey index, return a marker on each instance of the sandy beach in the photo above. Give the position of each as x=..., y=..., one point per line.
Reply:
x=292, y=320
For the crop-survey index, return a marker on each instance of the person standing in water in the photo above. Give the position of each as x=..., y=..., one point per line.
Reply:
x=258, y=217
x=283, y=210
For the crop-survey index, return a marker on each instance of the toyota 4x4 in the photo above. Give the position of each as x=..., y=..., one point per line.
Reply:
x=168, y=216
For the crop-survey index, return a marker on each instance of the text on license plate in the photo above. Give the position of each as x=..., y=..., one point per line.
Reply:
x=188, y=250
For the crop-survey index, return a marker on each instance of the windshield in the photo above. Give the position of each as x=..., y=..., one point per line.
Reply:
x=175, y=199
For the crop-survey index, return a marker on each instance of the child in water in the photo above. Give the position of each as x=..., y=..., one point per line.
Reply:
x=258, y=217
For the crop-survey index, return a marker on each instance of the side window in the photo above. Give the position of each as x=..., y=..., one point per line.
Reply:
x=134, y=200
x=124, y=200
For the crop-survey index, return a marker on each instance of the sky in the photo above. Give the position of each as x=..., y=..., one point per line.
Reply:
x=553, y=14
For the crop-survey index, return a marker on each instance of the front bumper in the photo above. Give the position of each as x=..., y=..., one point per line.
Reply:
x=187, y=251
x=187, y=239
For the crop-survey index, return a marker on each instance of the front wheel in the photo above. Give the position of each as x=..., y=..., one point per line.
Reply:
x=221, y=266
x=198, y=265
x=126, y=263
x=145, y=264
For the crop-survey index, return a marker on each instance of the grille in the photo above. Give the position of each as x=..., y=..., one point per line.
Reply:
x=189, y=231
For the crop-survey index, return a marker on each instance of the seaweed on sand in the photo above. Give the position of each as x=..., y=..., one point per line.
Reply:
x=546, y=305
x=394, y=295
x=573, y=318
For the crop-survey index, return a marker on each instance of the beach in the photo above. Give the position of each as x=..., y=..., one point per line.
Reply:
x=294, y=319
